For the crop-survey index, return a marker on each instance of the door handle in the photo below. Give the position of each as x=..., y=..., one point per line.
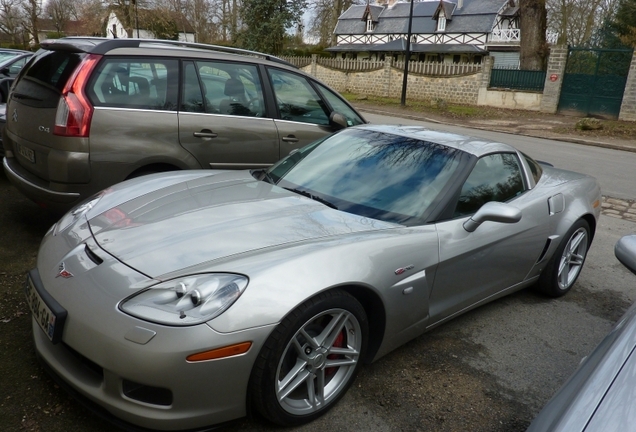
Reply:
x=205, y=133
x=290, y=139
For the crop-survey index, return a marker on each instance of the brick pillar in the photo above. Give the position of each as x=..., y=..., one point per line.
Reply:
x=628, y=107
x=388, y=61
x=554, y=79
x=486, y=71
x=314, y=62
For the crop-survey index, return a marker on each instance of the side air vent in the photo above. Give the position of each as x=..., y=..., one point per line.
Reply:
x=92, y=256
x=546, y=248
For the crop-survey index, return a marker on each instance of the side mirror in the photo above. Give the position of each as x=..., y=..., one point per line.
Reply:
x=493, y=212
x=5, y=71
x=337, y=121
x=625, y=251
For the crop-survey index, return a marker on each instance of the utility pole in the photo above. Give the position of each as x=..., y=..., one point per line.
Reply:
x=407, y=56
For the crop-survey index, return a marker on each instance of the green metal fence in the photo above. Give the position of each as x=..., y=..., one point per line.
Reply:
x=517, y=79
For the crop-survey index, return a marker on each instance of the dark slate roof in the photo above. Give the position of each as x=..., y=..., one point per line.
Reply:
x=475, y=16
x=375, y=12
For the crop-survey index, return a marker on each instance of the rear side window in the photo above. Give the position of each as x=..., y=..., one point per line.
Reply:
x=121, y=83
x=222, y=88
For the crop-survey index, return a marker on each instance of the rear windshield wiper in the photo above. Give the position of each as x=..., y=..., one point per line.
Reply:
x=313, y=197
x=23, y=96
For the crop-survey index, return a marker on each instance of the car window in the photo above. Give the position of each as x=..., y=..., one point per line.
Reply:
x=7, y=55
x=133, y=84
x=16, y=67
x=372, y=174
x=296, y=99
x=340, y=106
x=53, y=68
x=223, y=88
x=496, y=177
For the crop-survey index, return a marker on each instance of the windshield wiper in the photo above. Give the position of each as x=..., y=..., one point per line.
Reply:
x=261, y=174
x=313, y=197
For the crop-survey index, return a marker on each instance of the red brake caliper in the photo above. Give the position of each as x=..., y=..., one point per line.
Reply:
x=339, y=343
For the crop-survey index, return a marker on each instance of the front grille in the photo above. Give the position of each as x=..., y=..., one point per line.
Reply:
x=89, y=365
x=147, y=394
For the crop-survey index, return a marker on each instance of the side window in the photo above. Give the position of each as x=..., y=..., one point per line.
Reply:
x=231, y=88
x=16, y=67
x=296, y=99
x=125, y=84
x=495, y=177
x=340, y=106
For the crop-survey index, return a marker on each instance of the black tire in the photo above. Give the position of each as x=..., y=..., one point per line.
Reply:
x=289, y=356
x=565, y=266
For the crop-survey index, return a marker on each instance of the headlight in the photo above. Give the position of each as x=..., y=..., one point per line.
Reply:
x=188, y=300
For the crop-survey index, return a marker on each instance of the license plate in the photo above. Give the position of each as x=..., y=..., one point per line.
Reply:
x=26, y=152
x=49, y=318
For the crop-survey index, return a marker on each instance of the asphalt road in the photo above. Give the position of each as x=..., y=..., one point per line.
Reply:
x=491, y=369
x=614, y=169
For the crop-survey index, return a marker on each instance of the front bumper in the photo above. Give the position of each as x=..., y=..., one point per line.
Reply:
x=136, y=371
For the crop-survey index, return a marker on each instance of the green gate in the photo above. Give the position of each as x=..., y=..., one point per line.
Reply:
x=594, y=82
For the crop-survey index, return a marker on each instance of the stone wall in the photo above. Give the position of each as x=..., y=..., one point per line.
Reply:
x=387, y=82
x=470, y=89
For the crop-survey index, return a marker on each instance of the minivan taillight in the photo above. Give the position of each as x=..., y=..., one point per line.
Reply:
x=74, y=110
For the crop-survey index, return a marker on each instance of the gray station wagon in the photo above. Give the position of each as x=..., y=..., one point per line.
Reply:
x=86, y=113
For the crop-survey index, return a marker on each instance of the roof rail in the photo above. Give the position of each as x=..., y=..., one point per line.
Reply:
x=103, y=45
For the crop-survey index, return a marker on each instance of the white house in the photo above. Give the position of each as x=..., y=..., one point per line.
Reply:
x=442, y=30
x=116, y=29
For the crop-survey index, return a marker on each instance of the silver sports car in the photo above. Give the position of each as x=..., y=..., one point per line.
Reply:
x=177, y=300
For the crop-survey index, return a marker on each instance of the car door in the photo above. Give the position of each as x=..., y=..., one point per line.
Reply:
x=477, y=265
x=303, y=112
x=222, y=116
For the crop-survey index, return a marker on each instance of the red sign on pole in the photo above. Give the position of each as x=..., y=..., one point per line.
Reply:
x=554, y=77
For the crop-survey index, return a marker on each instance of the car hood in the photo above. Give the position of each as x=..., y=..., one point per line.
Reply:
x=204, y=219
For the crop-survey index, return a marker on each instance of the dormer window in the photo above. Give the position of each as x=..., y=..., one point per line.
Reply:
x=370, y=25
x=441, y=23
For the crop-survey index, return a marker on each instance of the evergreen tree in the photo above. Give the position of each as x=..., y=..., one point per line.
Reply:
x=266, y=22
x=625, y=22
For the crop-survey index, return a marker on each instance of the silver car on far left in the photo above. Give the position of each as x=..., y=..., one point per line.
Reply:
x=175, y=301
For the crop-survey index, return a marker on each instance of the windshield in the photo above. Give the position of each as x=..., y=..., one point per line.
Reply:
x=6, y=56
x=370, y=173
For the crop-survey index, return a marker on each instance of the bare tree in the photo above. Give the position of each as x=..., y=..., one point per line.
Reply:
x=576, y=20
x=60, y=12
x=325, y=17
x=32, y=9
x=10, y=19
x=93, y=15
x=533, y=52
